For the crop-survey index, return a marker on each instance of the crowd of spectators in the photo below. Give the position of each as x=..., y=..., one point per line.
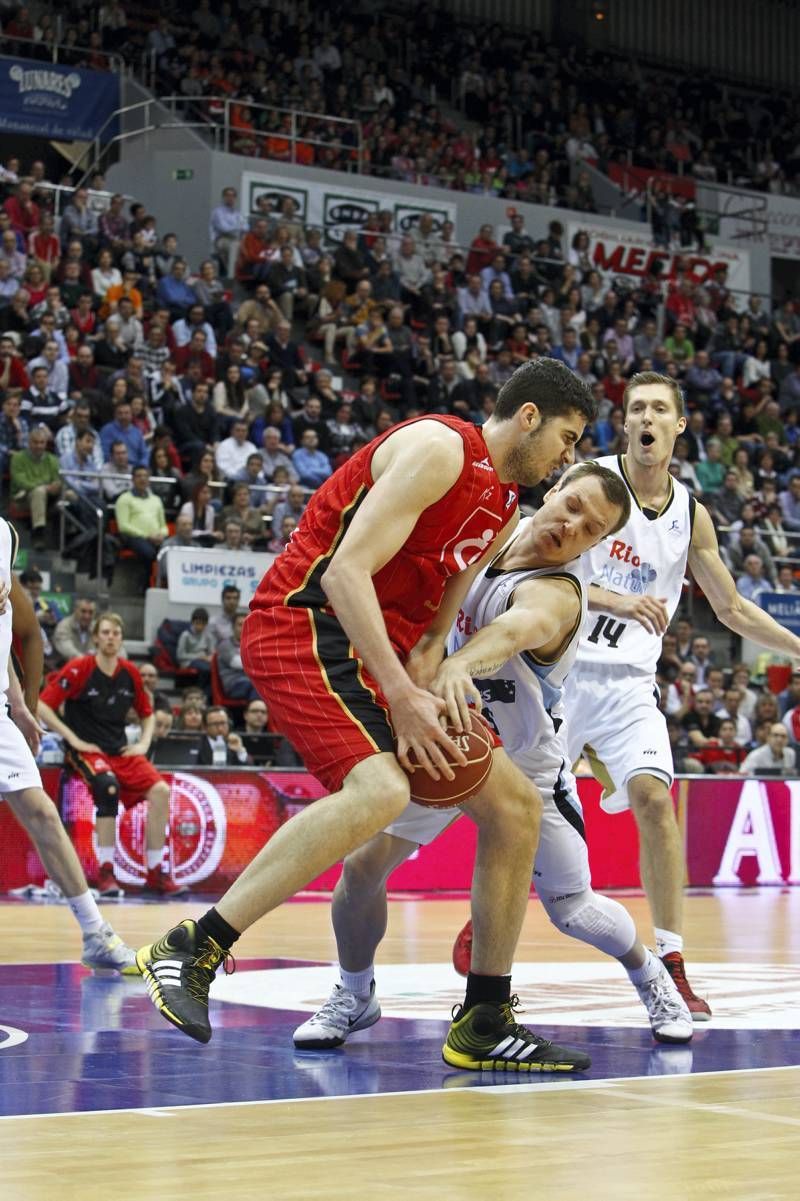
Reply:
x=720, y=720
x=521, y=113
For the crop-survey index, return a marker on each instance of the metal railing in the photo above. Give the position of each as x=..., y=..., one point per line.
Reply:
x=214, y=117
x=60, y=53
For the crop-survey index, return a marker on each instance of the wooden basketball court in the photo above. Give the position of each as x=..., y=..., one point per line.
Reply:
x=721, y=1119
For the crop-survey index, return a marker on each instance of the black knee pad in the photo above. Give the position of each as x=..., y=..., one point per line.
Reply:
x=105, y=793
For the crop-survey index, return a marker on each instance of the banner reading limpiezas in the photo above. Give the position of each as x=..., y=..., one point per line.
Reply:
x=197, y=576
x=55, y=101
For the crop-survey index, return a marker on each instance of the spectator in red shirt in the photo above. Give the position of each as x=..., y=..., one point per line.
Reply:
x=23, y=211
x=722, y=754
x=44, y=247
x=680, y=305
x=195, y=352
x=614, y=383
x=482, y=250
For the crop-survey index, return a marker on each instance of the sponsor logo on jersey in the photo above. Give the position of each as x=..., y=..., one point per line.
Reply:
x=676, y=527
x=637, y=580
x=483, y=464
x=464, y=549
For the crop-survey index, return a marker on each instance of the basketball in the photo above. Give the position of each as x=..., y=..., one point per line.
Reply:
x=477, y=745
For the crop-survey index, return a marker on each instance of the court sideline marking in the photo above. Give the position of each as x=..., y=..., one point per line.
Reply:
x=480, y=1090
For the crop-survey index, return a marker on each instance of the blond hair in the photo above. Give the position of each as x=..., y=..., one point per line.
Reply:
x=642, y=378
x=114, y=618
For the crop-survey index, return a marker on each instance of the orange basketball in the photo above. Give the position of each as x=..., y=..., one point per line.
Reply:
x=477, y=745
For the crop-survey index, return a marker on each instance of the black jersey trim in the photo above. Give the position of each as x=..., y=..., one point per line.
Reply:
x=650, y=514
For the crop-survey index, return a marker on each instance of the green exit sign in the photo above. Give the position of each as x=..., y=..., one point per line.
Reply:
x=183, y=173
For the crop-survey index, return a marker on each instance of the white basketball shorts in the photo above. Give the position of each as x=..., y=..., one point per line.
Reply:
x=613, y=713
x=18, y=768
x=562, y=862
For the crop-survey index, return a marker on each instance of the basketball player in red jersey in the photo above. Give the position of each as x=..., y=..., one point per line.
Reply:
x=346, y=630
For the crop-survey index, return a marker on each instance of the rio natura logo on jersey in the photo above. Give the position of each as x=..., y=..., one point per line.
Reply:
x=625, y=570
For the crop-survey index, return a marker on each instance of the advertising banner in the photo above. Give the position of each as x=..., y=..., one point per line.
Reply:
x=339, y=209
x=739, y=832
x=197, y=577
x=55, y=101
x=630, y=254
x=784, y=607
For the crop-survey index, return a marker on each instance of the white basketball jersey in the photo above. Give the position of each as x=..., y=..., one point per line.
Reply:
x=648, y=555
x=8, y=553
x=524, y=699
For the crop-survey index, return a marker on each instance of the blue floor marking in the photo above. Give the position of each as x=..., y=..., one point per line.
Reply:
x=96, y=1043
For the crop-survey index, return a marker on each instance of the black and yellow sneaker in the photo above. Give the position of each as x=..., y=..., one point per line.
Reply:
x=178, y=970
x=487, y=1038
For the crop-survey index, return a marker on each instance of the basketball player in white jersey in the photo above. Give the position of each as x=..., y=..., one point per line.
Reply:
x=637, y=575
x=21, y=784
x=517, y=634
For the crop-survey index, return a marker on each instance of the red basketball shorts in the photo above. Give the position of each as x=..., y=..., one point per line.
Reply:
x=135, y=774
x=318, y=692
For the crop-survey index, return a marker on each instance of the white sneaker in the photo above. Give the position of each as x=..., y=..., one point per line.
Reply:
x=670, y=1019
x=104, y=951
x=342, y=1014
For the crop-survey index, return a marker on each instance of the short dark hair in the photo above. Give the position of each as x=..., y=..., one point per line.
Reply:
x=614, y=488
x=231, y=588
x=200, y=615
x=642, y=378
x=551, y=386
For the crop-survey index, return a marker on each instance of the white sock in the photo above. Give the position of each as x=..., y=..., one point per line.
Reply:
x=105, y=855
x=358, y=982
x=86, y=912
x=154, y=858
x=647, y=972
x=667, y=941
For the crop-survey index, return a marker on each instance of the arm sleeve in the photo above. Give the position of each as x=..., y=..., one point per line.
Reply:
x=69, y=682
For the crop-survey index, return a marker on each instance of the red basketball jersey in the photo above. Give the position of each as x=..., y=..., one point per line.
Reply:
x=448, y=537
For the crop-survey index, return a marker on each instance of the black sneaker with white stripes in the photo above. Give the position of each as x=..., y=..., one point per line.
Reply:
x=488, y=1038
x=178, y=970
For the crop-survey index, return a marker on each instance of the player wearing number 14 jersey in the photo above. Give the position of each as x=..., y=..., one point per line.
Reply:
x=611, y=696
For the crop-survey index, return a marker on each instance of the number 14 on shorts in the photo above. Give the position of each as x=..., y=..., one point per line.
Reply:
x=606, y=627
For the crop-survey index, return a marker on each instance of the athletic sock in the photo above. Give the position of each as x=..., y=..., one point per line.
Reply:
x=105, y=855
x=86, y=912
x=486, y=990
x=154, y=858
x=359, y=983
x=667, y=941
x=214, y=926
x=647, y=972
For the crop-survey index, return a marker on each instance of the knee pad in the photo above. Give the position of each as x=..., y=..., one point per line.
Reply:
x=594, y=919
x=105, y=794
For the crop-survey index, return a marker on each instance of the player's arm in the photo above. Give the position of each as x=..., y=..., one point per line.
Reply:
x=20, y=711
x=738, y=614
x=649, y=611
x=419, y=466
x=543, y=612
x=426, y=657
x=25, y=626
x=67, y=683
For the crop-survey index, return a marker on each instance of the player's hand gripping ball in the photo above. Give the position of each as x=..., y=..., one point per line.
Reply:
x=477, y=746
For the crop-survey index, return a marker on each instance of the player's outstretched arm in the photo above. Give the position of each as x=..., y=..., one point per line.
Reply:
x=413, y=469
x=732, y=609
x=543, y=614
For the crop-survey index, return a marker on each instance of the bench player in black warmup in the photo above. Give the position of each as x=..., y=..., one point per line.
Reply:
x=97, y=692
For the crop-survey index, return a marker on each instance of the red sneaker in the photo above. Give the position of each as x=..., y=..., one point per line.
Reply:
x=699, y=1009
x=159, y=882
x=105, y=882
x=462, y=950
